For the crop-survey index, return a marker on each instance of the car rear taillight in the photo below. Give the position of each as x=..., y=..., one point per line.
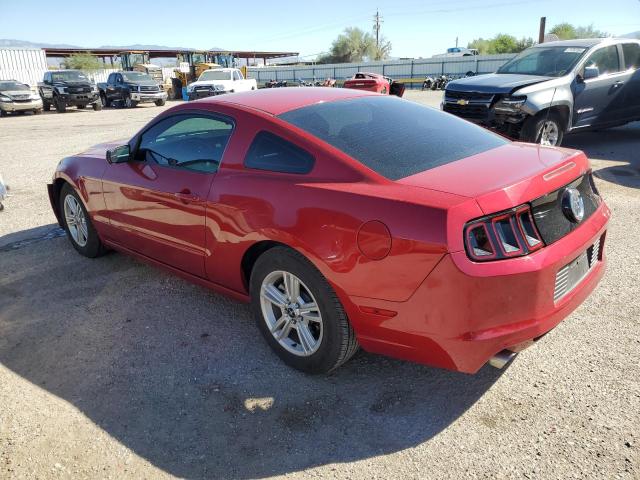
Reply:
x=507, y=234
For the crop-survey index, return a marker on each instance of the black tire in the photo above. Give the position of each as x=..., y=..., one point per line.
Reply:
x=128, y=103
x=532, y=129
x=104, y=101
x=3, y=113
x=97, y=106
x=46, y=106
x=1, y=207
x=160, y=103
x=37, y=111
x=81, y=107
x=338, y=342
x=94, y=246
x=61, y=107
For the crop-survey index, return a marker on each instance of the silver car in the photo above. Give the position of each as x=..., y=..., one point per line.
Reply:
x=553, y=89
x=18, y=97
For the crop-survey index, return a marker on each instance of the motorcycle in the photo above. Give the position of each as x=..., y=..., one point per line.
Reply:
x=428, y=82
x=275, y=84
x=440, y=82
x=3, y=192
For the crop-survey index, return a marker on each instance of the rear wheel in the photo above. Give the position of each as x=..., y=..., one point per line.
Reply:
x=77, y=224
x=544, y=129
x=299, y=314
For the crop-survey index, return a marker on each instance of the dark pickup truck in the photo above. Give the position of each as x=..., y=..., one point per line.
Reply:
x=131, y=88
x=68, y=88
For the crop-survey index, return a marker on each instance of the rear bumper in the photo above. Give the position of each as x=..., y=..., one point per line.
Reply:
x=464, y=312
x=21, y=106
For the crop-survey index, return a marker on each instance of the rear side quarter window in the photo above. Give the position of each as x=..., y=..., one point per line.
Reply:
x=631, y=55
x=275, y=154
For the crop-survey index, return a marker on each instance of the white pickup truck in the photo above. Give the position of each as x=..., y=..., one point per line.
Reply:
x=218, y=81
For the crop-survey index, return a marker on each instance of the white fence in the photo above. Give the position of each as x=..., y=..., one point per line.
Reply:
x=407, y=70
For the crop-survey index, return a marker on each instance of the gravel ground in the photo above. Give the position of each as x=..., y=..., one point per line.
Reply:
x=112, y=369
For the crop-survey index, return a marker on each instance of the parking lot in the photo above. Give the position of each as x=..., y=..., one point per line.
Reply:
x=110, y=367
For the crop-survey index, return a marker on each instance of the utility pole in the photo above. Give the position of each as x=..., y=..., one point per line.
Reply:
x=377, y=24
x=543, y=24
x=456, y=42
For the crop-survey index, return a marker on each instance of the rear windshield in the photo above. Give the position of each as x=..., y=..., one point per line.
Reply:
x=393, y=137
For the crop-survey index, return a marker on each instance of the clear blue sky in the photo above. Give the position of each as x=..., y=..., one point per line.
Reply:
x=415, y=27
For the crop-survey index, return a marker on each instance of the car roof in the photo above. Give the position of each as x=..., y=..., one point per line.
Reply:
x=582, y=42
x=276, y=101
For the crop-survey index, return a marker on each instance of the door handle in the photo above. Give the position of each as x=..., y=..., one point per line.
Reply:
x=187, y=197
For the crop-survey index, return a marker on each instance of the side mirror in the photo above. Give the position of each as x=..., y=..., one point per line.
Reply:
x=591, y=72
x=121, y=154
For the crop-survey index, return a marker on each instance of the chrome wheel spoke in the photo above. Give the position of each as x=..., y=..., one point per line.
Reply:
x=312, y=317
x=292, y=286
x=308, y=307
x=279, y=324
x=285, y=330
x=274, y=295
x=307, y=342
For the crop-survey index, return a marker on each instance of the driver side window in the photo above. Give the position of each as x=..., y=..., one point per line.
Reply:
x=606, y=60
x=189, y=142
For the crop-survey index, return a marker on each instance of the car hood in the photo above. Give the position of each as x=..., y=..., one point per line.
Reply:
x=72, y=84
x=505, y=176
x=146, y=83
x=14, y=93
x=495, y=83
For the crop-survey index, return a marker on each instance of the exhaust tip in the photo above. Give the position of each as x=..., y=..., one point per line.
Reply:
x=500, y=359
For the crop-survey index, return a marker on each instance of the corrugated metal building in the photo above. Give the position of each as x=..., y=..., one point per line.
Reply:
x=24, y=65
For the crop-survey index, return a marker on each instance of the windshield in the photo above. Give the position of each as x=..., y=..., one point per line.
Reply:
x=70, y=76
x=135, y=76
x=393, y=137
x=215, y=75
x=544, y=61
x=9, y=86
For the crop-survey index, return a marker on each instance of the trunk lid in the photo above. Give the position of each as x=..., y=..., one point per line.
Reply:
x=505, y=177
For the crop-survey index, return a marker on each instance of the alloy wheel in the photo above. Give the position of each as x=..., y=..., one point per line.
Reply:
x=76, y=221
x=291, y=313
x=549, y=134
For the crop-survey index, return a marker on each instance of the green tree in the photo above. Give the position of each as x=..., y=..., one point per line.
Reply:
x=501, y=43
x=383, y=50
x=566, y=31
x=82, y=61
x=353, y=45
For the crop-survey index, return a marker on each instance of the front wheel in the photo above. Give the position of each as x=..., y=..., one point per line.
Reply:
x=544, y=129
x=97, y=106
x=103, y=100
x=61, y=107
x=130, y=103
x=81, y=107
x=77, y=224
x=299, y=314
x=160, y=103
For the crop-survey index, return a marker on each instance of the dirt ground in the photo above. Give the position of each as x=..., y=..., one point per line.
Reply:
x=113, y=369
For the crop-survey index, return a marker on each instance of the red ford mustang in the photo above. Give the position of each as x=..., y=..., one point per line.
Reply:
x=349, y=219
